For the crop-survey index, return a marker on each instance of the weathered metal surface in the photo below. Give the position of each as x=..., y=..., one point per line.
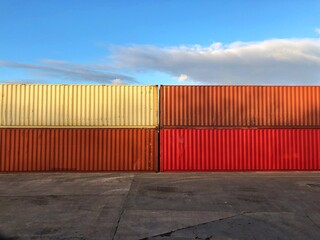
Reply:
x=34, y=149
x=74, y=106
x=239, y=149
x=240, y=106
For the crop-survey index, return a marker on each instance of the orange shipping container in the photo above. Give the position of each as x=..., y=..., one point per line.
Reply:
x=29, y=150
x=240, y=106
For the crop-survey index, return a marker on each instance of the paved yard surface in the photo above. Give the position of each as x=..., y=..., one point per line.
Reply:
x=160, y=206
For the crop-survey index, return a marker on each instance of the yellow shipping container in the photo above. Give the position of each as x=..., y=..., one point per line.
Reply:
x=85, y=106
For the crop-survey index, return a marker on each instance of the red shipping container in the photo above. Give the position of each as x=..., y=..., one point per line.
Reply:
x=239, y=149
x=30, y=150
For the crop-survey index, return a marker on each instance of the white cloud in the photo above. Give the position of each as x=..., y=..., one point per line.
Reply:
x=270, y=62
x=182, y=77
x=317, y=30
x=118, y=81
x=53, y=69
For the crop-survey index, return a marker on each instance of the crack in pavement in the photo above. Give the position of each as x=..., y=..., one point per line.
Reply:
x=122, y=209
x=168, y=234
x=118, y=222
x=312, y=221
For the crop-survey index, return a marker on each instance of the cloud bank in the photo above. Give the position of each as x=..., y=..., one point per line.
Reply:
x=69, y=71
x=270, y=62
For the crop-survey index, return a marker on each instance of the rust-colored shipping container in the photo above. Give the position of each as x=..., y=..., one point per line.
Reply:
x=29, y=150
x=240, y=106
x=239, y=149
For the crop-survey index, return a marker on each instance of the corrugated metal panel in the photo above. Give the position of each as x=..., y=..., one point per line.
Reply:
x=239, y=149
x=78, y=150
x=240, y=106
x=78, y=106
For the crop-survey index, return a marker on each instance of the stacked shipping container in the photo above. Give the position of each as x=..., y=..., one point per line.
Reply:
x=78, y=128
x=203, y=128
x=244, y=128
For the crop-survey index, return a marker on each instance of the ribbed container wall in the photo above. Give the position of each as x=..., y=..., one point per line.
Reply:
x=240, y=106
x=78, y=106
x=33, y=150
x=239, y=149
x=239, y=128
x=78, y=128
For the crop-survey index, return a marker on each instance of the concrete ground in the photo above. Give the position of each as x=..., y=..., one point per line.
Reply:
x=160, y=206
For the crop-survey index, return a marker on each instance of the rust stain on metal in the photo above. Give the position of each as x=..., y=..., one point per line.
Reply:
x=29, y=150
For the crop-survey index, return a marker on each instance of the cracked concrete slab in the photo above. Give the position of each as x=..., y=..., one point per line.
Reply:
x=240, y=192
x=56, y=206
x=249, y=226
x=137, y=224
x=43, y=184
x=160, y=205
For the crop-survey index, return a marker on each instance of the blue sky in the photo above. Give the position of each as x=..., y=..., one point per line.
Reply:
x=160, y=42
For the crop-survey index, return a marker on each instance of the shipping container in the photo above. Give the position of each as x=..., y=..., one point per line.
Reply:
x=240, y=106
x=239, y=149
x=78, y=106
x=34, y=149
